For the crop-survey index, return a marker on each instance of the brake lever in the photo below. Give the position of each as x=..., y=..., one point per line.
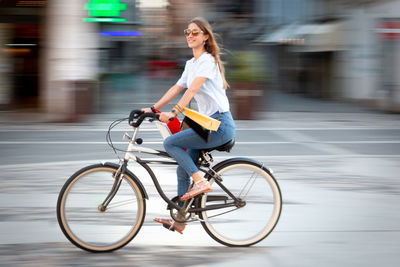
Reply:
x=155, y=117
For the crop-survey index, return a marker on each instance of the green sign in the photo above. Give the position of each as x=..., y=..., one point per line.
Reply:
x=104, y=19
x=105, y=9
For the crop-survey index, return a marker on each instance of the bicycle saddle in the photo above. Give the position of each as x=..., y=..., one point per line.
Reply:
x=225, y=147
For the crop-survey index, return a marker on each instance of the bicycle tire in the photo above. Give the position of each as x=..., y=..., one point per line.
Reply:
x=79, y=199
x=248, y=225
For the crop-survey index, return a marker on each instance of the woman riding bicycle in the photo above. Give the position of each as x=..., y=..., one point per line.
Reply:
x=204, y=80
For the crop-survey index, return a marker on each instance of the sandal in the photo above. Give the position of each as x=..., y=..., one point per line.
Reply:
x=171, y=225
x=197, y=189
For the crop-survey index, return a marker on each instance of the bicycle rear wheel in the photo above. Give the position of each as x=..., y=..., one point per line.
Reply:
x=242, y=226
x=81, y=218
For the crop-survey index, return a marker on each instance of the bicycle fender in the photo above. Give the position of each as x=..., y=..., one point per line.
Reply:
x=139, y=183
x=242, y=159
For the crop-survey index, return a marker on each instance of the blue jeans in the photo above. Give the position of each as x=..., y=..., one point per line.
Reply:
x=189, y=139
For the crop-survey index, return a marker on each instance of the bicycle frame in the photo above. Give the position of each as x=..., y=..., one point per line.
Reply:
x=77, y=213
x=129, y=155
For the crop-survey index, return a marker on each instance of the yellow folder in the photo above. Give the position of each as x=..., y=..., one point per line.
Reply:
x=203, y=120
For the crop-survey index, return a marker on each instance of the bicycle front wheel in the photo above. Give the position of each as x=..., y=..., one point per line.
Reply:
x=250, y=223
x=85, y=223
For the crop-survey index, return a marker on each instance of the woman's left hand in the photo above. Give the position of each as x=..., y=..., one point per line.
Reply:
x=165, y=116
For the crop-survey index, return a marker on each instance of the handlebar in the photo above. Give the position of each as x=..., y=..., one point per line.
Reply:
x=139, y=115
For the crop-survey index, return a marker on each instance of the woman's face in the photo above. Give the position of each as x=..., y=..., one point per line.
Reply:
x=193, y=40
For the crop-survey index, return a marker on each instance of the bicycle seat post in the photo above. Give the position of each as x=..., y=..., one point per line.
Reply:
x=206, y=158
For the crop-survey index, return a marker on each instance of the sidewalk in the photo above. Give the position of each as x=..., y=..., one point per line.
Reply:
x=119, y=103
x=285, y=102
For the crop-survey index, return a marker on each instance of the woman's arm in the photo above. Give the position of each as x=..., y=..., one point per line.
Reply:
x=185, y=99
x=168, y=96
x=191, y=91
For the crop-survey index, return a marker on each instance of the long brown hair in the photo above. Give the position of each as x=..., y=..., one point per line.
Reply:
x=211, y=45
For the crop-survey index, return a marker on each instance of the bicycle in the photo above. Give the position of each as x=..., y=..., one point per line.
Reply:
x=102, y=207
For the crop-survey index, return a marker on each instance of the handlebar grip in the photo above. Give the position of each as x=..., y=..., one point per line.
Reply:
x=142, y=117
x=134, y=115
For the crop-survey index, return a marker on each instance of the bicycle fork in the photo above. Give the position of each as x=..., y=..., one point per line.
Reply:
x=118, y=175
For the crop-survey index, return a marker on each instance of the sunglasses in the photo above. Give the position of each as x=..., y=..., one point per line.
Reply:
x=194, y=32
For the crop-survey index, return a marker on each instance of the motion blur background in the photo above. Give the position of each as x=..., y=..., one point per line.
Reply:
x=64, y=59
x=315, y=93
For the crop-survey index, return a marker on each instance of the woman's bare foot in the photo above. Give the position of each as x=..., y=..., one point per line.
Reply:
x=171, y=224
x=199, y=187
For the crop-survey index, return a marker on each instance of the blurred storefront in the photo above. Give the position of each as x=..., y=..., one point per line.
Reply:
x=304, y=56
x=345, y=50
x=55, y=52
x=388, y=31
x=21, y=37
x=58, y=56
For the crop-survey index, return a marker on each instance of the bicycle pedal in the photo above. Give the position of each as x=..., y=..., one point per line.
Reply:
x=171, y=227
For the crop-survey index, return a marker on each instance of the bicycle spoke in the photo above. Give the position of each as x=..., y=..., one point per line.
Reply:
x=251, y=180
x=121, y=203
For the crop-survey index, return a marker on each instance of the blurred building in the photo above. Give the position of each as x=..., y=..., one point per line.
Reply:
x=57, y=55
x=55, y=52
x=336, y=49
x=21, y=35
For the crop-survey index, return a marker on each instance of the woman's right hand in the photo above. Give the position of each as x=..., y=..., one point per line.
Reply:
x=147, y=110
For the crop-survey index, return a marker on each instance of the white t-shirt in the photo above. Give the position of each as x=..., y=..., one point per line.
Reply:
x=211, y=97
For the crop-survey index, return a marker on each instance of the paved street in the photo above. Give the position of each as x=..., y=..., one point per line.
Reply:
x=338, y=173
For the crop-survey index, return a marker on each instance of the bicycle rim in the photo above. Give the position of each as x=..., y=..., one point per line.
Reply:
x=250, y=224
x=91, y=229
